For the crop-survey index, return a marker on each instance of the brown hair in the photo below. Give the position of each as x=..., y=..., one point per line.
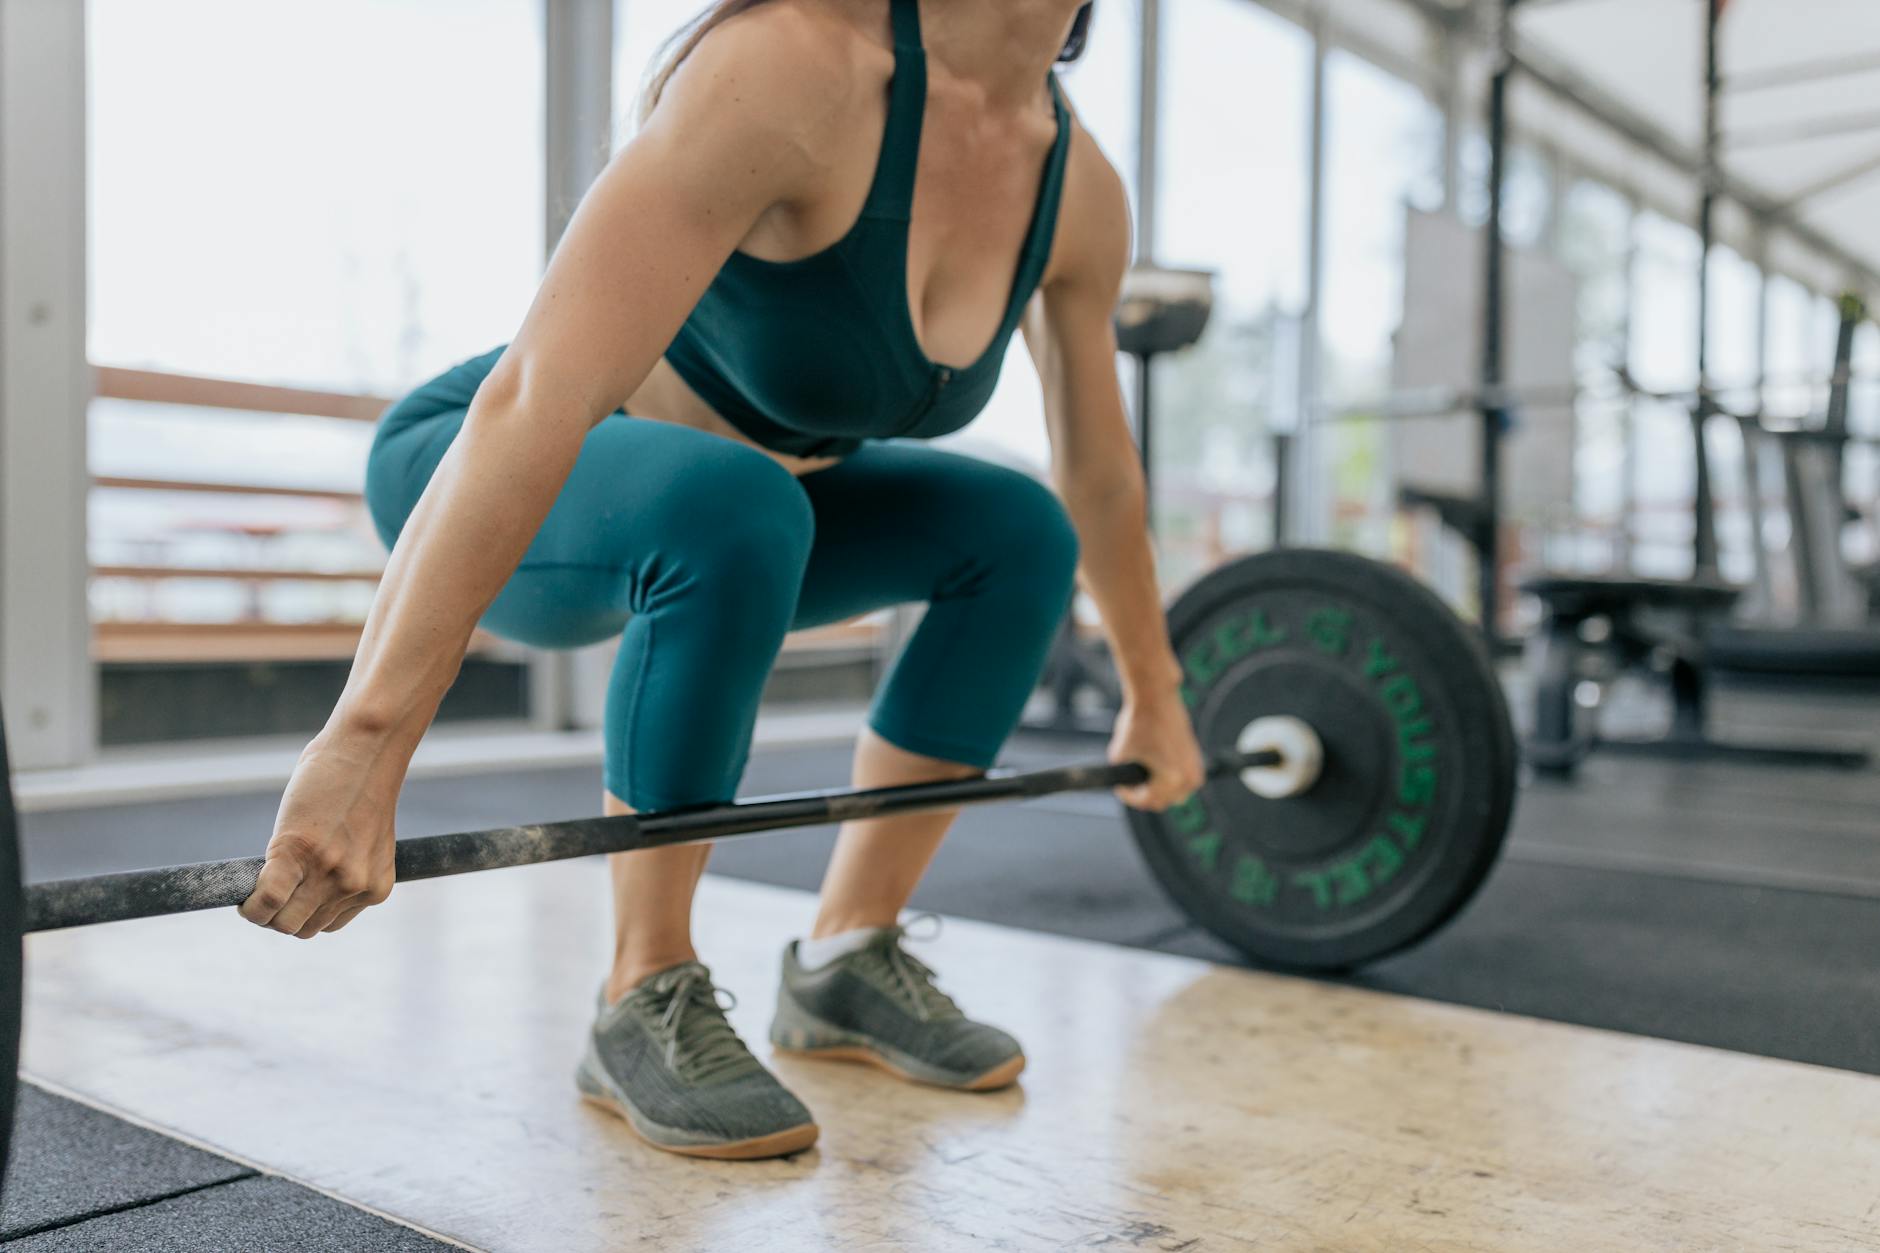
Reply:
x=675, y=50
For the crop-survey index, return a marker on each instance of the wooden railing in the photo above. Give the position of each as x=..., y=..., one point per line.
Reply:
x=336, y=641
x=152, y=642
x=198, y=392
x=165, y=641
x=231, y=574
x=199, y=487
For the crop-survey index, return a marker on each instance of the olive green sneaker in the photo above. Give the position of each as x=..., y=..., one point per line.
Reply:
x=879, y=1005
x=665, y=1058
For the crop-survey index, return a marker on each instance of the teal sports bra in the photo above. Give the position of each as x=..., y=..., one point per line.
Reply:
x=813, y=356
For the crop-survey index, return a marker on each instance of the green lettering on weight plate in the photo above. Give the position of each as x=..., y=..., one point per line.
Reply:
x=1236, y=637
x=1377, y=661
x=1402, y=697
x=1231, y=641
x=1349, y=884
x=1329, y=629
x=1351, y=880
x=1318, y=882
x=1262, y=632
x=1385, y=860
x=1416, y=784
x=1411, y=744
x=1201, y=668
x=1253, y=883
x=1190, y=816
x=1408, y=827
x=1205, y=849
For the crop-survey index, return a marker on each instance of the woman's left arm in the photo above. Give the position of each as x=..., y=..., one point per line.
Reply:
x=1095, y=469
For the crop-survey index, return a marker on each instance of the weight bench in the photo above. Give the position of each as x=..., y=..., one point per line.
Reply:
x=1595, y=628
x=1473, y=519
x=1467, y=516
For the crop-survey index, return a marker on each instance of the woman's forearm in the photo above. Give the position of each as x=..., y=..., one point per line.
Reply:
x=461, y=543
x=1118, y=568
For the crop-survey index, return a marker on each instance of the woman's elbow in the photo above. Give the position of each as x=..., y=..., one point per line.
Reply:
x=1109, y=485
x=524, y=389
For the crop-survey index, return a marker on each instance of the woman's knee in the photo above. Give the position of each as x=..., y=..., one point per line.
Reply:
x=959, y=687
x=1032, y=537
x=735, y=525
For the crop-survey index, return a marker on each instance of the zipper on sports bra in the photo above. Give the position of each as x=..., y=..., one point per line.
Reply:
x=942, y=376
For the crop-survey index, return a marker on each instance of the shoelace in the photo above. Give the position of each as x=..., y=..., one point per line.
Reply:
x=913, y=976
x=711, y=1047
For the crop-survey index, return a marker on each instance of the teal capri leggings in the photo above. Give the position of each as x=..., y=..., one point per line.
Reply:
x=699, y=553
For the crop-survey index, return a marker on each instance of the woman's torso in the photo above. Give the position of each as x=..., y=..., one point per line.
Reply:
x=883, y=307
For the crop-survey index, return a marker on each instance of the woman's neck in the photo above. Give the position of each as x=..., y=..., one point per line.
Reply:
x=1006, y=46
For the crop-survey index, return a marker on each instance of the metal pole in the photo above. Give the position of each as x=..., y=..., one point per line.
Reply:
x=1449, y=101
x=1304, y=524
x=1763, y=600
x=578, y=109
x=1487, y=537
x=220, y=884
x=1145, y=430
x=1704, y=532
x=1559, y=170
x=11, y=920
x=1148, y=113
x=1282, y=485
x=578, y=69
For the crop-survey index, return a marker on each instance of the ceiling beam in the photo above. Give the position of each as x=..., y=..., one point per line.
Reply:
x=1805, y=130
x=1802, y=72
x=1847, y=175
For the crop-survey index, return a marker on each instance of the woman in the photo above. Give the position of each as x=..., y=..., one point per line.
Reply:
x=822, y=239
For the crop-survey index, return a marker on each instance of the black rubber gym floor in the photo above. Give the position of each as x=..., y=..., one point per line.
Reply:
x=1720, y=904
x=81, y=1179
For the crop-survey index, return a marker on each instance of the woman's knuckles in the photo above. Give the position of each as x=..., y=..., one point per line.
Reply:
x=301, y=851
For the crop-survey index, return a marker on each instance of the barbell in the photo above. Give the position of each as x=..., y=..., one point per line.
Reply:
x=1361, y=778
x=221, y=884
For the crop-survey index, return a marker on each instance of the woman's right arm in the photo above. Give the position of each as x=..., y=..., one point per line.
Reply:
x=737, y=133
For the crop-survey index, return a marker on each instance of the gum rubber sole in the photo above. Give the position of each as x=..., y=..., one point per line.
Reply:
x=1001, y=1076
x=776, y=1144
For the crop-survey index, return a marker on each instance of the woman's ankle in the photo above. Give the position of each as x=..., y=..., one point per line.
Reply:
x=828, y=925
x=630, y=970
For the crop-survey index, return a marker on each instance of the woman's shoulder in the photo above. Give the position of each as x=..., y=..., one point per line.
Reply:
x=1093, y=238
x=811, y=57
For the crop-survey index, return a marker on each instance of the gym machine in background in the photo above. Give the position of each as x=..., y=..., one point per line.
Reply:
x=1597, y=627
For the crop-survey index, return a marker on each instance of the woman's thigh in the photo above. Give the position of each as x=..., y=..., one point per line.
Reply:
x=648, y=508
x=900, y=523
